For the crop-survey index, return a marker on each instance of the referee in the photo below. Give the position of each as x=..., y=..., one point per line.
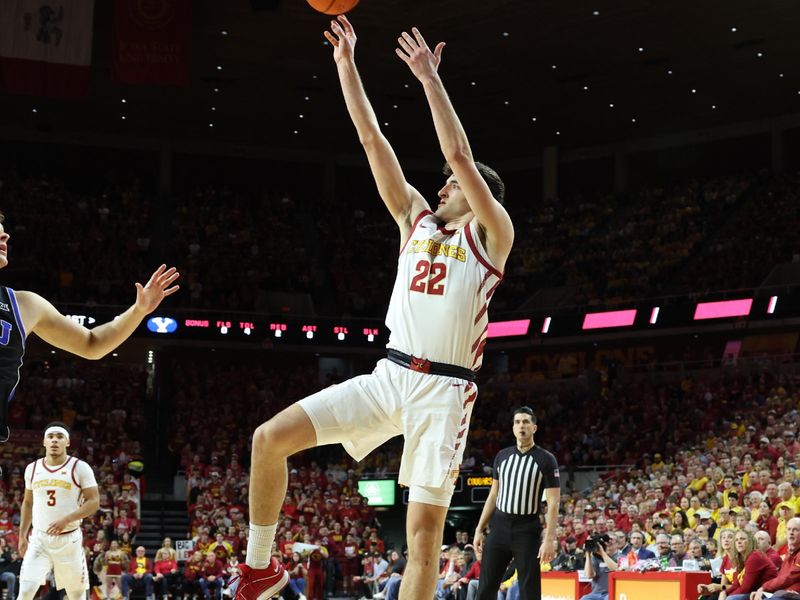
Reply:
x=512, y=511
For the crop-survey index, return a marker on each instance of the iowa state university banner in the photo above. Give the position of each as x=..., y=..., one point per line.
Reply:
x=151, y=41
x=46, y=47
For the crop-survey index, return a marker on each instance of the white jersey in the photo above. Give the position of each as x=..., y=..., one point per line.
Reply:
x=440, y=301
x=57, y=490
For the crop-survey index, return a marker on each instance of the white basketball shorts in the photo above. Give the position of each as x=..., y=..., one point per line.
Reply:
x=63, y=554
x=432, y=412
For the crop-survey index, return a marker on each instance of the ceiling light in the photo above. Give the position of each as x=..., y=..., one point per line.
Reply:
x=210, y=124
x=405, y=85
x=533, y=119
x=213, y=108
x=313, y=77
x=124, y=117
x=733, y=29
x=216, y=90
x=780, y=74
x=306, y=98
x=219, y=67
x=34, y=110
x=586, y=88
x=505, y=102
x=224, y=32
x=124, y=101
x=558, y=133
x=641, y=49
x=301, y=116
x=760, y=54
x=694, y=91
x=505, y=34
x=669, y=72
x=610, y=105
x=596, y=13
x=633, y=120
x=385, y=124
x=394, y=105
x=554, y=66
x=713, y=107
x=296, y=132
x=471, y=83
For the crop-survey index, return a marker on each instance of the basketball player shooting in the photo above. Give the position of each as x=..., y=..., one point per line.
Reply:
x=23, y=313
x=450, y=264
x=60, y=491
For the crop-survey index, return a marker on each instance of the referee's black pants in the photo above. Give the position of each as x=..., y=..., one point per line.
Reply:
x=517, y=536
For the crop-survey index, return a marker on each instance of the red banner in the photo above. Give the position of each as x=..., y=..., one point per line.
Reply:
x=46, y=48
x=151, y=41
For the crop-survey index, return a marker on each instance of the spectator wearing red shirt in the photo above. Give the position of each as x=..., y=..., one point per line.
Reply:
x=165, y=571
x=289, y=507
x=192, y=572
x=140, y=571
x=211, y=576
x=125, y=523
x=788, y=577
x=347, y=512
x=764, y=544
x=285, y=545
x=580, y=534
x=766, y=521
x=753, y=568
x=375, y=543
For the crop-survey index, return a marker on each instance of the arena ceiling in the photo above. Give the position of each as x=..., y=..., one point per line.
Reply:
x=522, y=74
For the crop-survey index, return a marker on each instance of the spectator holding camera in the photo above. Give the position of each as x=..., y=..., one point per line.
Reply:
x=601, y=559
x=571, y=558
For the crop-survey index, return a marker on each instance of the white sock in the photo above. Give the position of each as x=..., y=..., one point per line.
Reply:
x=259, y=545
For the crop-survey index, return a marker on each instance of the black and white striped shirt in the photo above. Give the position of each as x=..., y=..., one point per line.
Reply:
x=523, y=477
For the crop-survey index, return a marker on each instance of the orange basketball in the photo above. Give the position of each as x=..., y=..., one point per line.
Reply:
x=332, y=7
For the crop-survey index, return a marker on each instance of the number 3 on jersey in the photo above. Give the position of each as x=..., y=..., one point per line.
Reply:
x=51, y=497
x=433, y=286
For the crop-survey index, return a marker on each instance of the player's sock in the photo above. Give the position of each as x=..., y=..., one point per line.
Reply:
x=259, y=545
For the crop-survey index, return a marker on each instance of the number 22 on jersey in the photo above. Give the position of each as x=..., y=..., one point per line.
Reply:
x=429, y=278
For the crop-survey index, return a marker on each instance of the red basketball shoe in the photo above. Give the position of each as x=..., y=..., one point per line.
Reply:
x=261, y=584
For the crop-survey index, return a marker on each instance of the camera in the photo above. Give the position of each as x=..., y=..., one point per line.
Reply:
x=594, y=542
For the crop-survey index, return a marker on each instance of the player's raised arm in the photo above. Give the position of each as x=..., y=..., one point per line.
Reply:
x=42, y=318
x=402, y=200
x=424, y=64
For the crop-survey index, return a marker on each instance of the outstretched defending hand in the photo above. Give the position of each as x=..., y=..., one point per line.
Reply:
x=415, y=53
x=149, y=296
x=344, y=42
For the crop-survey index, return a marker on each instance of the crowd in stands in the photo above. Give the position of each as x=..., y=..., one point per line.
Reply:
x=234, y=248
x=102, y=403
x=58, y=232
x=732, y=260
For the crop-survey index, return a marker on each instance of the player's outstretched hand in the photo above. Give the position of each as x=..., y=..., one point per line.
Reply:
x=343, y=39
x=150, y=295
x=414, y=51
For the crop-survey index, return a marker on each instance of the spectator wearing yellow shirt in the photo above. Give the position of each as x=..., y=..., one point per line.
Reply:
x=724, y=522
x=786, y=513
x=786, y=495
x=694, y=507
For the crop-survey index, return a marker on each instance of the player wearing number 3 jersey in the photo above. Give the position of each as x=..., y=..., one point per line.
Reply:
x=60, y=491
x=451, y=262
